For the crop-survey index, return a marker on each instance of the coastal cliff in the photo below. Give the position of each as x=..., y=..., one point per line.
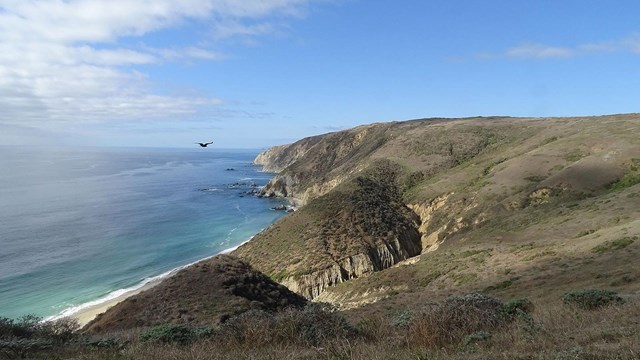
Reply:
x=376, y=195
x=360, y=227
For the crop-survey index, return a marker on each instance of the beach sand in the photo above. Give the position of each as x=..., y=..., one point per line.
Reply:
x=89, y=313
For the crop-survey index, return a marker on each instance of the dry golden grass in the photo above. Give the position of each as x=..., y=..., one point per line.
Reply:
x=552, y=331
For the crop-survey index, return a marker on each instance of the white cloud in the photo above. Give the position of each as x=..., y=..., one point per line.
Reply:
x=539, y=51
x=62, y=61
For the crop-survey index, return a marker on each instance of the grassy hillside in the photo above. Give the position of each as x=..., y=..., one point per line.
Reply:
x=205, y=293
x=496, y=202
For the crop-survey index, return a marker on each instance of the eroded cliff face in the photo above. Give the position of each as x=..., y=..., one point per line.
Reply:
x=271, y=160
x=359, y=227
x=378, y=258
x=445, y=216
x=277, y=158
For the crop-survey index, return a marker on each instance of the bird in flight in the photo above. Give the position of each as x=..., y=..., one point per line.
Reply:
x=204, y=144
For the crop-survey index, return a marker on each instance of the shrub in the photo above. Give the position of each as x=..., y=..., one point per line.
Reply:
x=105, y=343
x=516, y=307
x=254, y=326
x=402, y=319
x=476, y=338
x=29, y=334
x=316, y=323
x=626, y=181
x=61, y=330
x=449, y=322
x=592, y=298
x=33, y=327
x=170, y=333
x=20, y=347
x=311, y=326
x=24, y=327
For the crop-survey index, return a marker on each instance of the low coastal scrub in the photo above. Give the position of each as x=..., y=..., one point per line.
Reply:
x=29, y=334
x=451, y=321
x=628, y=180
x=174, y=334
x=614, y=244
x=473, y=326
x=590, y=299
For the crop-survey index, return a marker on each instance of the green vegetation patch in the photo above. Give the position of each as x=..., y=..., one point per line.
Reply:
x=614, y=244
x=29, y=334
x=280, y=275
x=591, y=299
x=574, y=155
x=517, y=307
x=535, y=178
x=464, y=278
x=501, y=285
x=626, y=181
x=175, y=334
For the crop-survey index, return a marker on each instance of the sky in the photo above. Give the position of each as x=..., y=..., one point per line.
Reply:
x=257, y=73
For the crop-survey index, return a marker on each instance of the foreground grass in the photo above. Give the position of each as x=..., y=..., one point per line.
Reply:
x=473, y=326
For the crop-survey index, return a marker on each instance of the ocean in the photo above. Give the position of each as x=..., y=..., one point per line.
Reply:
x=80, y=226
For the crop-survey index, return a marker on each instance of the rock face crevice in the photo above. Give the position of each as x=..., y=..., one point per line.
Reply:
x=378, y=258
x=445, y=216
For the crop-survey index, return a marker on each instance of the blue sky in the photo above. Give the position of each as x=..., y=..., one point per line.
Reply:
x=255, y=73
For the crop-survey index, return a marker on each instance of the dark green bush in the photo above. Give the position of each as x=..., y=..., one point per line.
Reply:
x=626, y=181
x=21, y=347
x=516, y=307
x=402, y=319
x=105, y=343
x=170, y=333
x=30, y=334
x=24, y=327
x=592, y=298
x=32, y=326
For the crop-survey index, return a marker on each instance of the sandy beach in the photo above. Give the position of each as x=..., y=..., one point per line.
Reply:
x=87, y=314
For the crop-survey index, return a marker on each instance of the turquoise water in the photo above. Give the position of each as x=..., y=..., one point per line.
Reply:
x=80, y=225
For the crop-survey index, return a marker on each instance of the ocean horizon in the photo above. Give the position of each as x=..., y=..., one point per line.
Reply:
x=81, y=226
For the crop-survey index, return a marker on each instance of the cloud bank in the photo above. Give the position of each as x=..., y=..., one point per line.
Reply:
x=62, y=62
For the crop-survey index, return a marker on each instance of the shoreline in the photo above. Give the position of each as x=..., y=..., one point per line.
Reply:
x=88, y=311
